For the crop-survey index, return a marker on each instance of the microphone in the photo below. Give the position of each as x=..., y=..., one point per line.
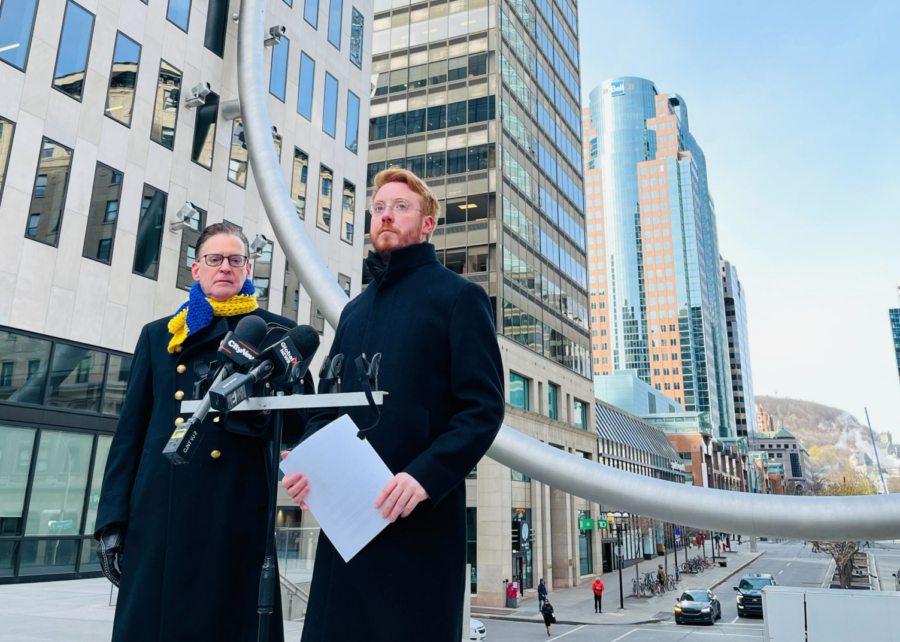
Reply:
x=290, y=358
x=330, y=374
x=237, y=348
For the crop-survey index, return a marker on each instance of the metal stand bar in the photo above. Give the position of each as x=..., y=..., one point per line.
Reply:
x=292, y=402
x=267, y=584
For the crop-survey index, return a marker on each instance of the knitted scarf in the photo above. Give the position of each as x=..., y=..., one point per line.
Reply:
x=198, y=311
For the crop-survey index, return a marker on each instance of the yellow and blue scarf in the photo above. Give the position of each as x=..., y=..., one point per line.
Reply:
x=198, y=311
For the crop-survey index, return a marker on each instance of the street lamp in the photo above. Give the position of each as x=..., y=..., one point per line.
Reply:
x=618, y=517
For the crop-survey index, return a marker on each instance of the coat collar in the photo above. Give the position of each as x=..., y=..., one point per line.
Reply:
x=402, y=260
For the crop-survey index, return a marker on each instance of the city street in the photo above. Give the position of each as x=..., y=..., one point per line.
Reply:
x=792, y=564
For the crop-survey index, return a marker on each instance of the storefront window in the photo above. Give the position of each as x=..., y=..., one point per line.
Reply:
x=472, y=546
x=76, y=377
x=48, y=556
x=103, y=444
x=522, y=548
x=16, y=446
x=585, y=546
x=23, y=368
x=57, y=495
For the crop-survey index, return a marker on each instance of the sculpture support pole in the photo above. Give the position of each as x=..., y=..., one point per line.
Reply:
x=808, y=518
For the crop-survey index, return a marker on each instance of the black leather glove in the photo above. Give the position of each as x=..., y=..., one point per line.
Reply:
x=112, y=546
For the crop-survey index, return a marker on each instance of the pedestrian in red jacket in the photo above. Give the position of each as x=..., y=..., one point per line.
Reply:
x=597, y=587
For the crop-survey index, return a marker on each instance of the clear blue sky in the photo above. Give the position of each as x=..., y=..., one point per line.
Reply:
x=797, y=108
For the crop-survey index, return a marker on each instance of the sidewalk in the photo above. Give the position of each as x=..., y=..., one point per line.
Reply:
x=576, y=605
x=73, y=611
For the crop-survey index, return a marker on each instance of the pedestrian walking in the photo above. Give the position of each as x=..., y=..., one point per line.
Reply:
x=661, y=578
x=542, y=595
x=547, y=612
x=739, y=539
x=597, y=587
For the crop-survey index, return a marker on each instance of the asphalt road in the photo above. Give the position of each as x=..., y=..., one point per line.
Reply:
x=792, y=564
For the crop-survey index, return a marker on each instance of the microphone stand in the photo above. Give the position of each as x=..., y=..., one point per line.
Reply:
x=267, y=578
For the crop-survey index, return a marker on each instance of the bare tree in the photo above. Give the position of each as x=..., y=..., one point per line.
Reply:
x=842, y=552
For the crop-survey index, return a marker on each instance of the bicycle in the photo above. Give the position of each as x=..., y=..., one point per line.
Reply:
x=670, y=582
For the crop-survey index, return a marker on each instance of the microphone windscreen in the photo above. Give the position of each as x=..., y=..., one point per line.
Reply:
x=251, y=329
x=306, y=339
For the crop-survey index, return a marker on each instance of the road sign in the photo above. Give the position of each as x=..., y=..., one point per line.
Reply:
x=602, y=523
x=63, y=525
x=618, y=550
x=585, y=524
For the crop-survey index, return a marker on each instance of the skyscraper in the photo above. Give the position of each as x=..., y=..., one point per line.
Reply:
x=662, y=289
x=482, y=100
x=739, y=352
x=895, y=330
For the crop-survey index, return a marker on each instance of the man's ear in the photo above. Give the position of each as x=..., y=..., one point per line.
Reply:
x=428, y=226
x=195, y=271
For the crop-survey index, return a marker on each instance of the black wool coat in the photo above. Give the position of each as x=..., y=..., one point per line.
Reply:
x=442, y=370
x=195, y=532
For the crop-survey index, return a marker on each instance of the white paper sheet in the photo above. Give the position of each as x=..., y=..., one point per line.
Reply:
x=345, y=477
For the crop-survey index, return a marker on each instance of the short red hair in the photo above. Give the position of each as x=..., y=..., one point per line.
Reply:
x=429, y=203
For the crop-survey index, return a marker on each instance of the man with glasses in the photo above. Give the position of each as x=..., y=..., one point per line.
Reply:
x=185, y=544
x=442, y=370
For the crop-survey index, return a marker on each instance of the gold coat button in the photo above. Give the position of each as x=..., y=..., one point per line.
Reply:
x=215, y=420
x=177, y=348
x=179, y=421
x=215, y=454
x=181, y=369
x=179, y=395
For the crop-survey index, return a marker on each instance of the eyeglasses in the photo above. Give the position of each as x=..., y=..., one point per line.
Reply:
x=400, y=207
x=215, y=260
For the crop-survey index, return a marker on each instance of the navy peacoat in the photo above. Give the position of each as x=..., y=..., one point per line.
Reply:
x=442, y=370
x=194, y=533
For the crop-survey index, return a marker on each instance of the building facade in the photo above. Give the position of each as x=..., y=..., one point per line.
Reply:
x=114, y=154
x=660, y=275
x=784, y=448
x=739, y=354
x=481, y=100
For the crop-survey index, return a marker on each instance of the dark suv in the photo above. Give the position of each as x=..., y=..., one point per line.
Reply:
x=749, y=593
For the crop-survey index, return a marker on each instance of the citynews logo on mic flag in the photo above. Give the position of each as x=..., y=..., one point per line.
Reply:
x=237, y=350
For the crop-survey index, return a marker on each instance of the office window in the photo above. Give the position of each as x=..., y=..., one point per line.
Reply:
x=122, y=79
x=316, y=318
x=481, y=109
x=347, y=212
x=205, y=132
x=262, y=275
x=372, y=171
x=416, y=164
x=216, y=26
x=481, y=157
x=74, y=45
x=378, y=128
x=103, y=214
x=237, y=161
x=311, y=12
x=62, y=455
x=49, y=196
x=16, y=22
x=356, y=38
x=278, y=72
x=580, y=412
x=329, y=110
x=165, y=114
x=352, y=138
x=435, y=165
x=415, y=122
x=335, y=12
x=26, y=372
x=456, y=114
x=344, y=282
x=149, y=234
x=418, y=77
x=187, y=255
x=326, y=186
x=456, y=161
x=478, y=65
x=7, y=128
x=519, y=391
x=299, y=177
x=458, y=68
x=477, y=259
x=307, y=80
x=553, y=401
x=179, y=13
x=76, y=378
x=437, y=72
x=437, y=117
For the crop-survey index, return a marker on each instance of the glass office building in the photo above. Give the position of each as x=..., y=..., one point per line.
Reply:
x=96, y=161
x=657, y=282
x=739, y=353
x=895, y=334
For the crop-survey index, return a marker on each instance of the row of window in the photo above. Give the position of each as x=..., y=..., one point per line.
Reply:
x=539, y=337
x=455, y=161
x=458, y=114
x=434, y=73
x=520, y=390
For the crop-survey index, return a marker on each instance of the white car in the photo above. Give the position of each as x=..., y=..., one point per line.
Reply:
x=476, y=630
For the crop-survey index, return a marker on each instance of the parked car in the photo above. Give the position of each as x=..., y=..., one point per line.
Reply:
x=749, y=593
x=896, y=580
x=476, y=631
x=697, y=605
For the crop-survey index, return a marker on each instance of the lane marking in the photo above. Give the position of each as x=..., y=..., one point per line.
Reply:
x=614, y=614
x=567, y=633
x=780, y=572
x=736, y=618
x=680, y=631
x=623, y=636
x=788, y=563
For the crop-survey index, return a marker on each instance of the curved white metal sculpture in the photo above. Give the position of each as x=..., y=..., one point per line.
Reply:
x=811, y=518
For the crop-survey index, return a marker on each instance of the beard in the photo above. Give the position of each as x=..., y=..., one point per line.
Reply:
x=383, y=243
